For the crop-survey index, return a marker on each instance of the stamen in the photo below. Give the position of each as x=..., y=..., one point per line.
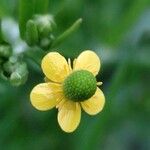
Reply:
x=99, y=83
x=74, y=63
x=46, y=79
x=69, y=64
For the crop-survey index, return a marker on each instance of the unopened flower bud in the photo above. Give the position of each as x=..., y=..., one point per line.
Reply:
x=14, y=71
x=45, y=24
x=45, y=43
x=19, y=76
x=31, y=33
x=5, y=50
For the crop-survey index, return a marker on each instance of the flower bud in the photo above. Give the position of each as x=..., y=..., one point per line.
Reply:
x=20, y=75
x=5, y=50
x=45, y=43
x=8, y=67
x=31, y=33
x=14, y=71
x=45, y=24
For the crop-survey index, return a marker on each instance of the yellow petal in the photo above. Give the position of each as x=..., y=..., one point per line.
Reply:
x=44, y=96
x=69, y=116
x=88, y=60
x=55, y=67
x=95, y=104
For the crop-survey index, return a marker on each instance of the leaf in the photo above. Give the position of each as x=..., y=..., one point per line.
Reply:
x=67, y=33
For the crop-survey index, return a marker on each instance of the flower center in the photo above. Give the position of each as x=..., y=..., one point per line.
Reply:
x=79, y=85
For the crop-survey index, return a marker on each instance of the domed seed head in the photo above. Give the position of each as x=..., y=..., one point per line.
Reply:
x=79, y=85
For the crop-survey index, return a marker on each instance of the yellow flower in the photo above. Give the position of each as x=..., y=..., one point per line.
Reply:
x=69, y=88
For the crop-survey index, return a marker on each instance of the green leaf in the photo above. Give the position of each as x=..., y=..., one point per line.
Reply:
x=67, y=33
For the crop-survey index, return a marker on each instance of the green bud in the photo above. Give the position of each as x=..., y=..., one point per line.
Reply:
x=6, y=70
x=13, y=59
x=14, y=71
x=31, y=33
x=8, y=67
x=20, y=75
x=5, y=50
x=45, y=43
x=45, y=24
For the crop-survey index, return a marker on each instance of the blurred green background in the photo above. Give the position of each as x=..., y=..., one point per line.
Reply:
x=119, y=32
